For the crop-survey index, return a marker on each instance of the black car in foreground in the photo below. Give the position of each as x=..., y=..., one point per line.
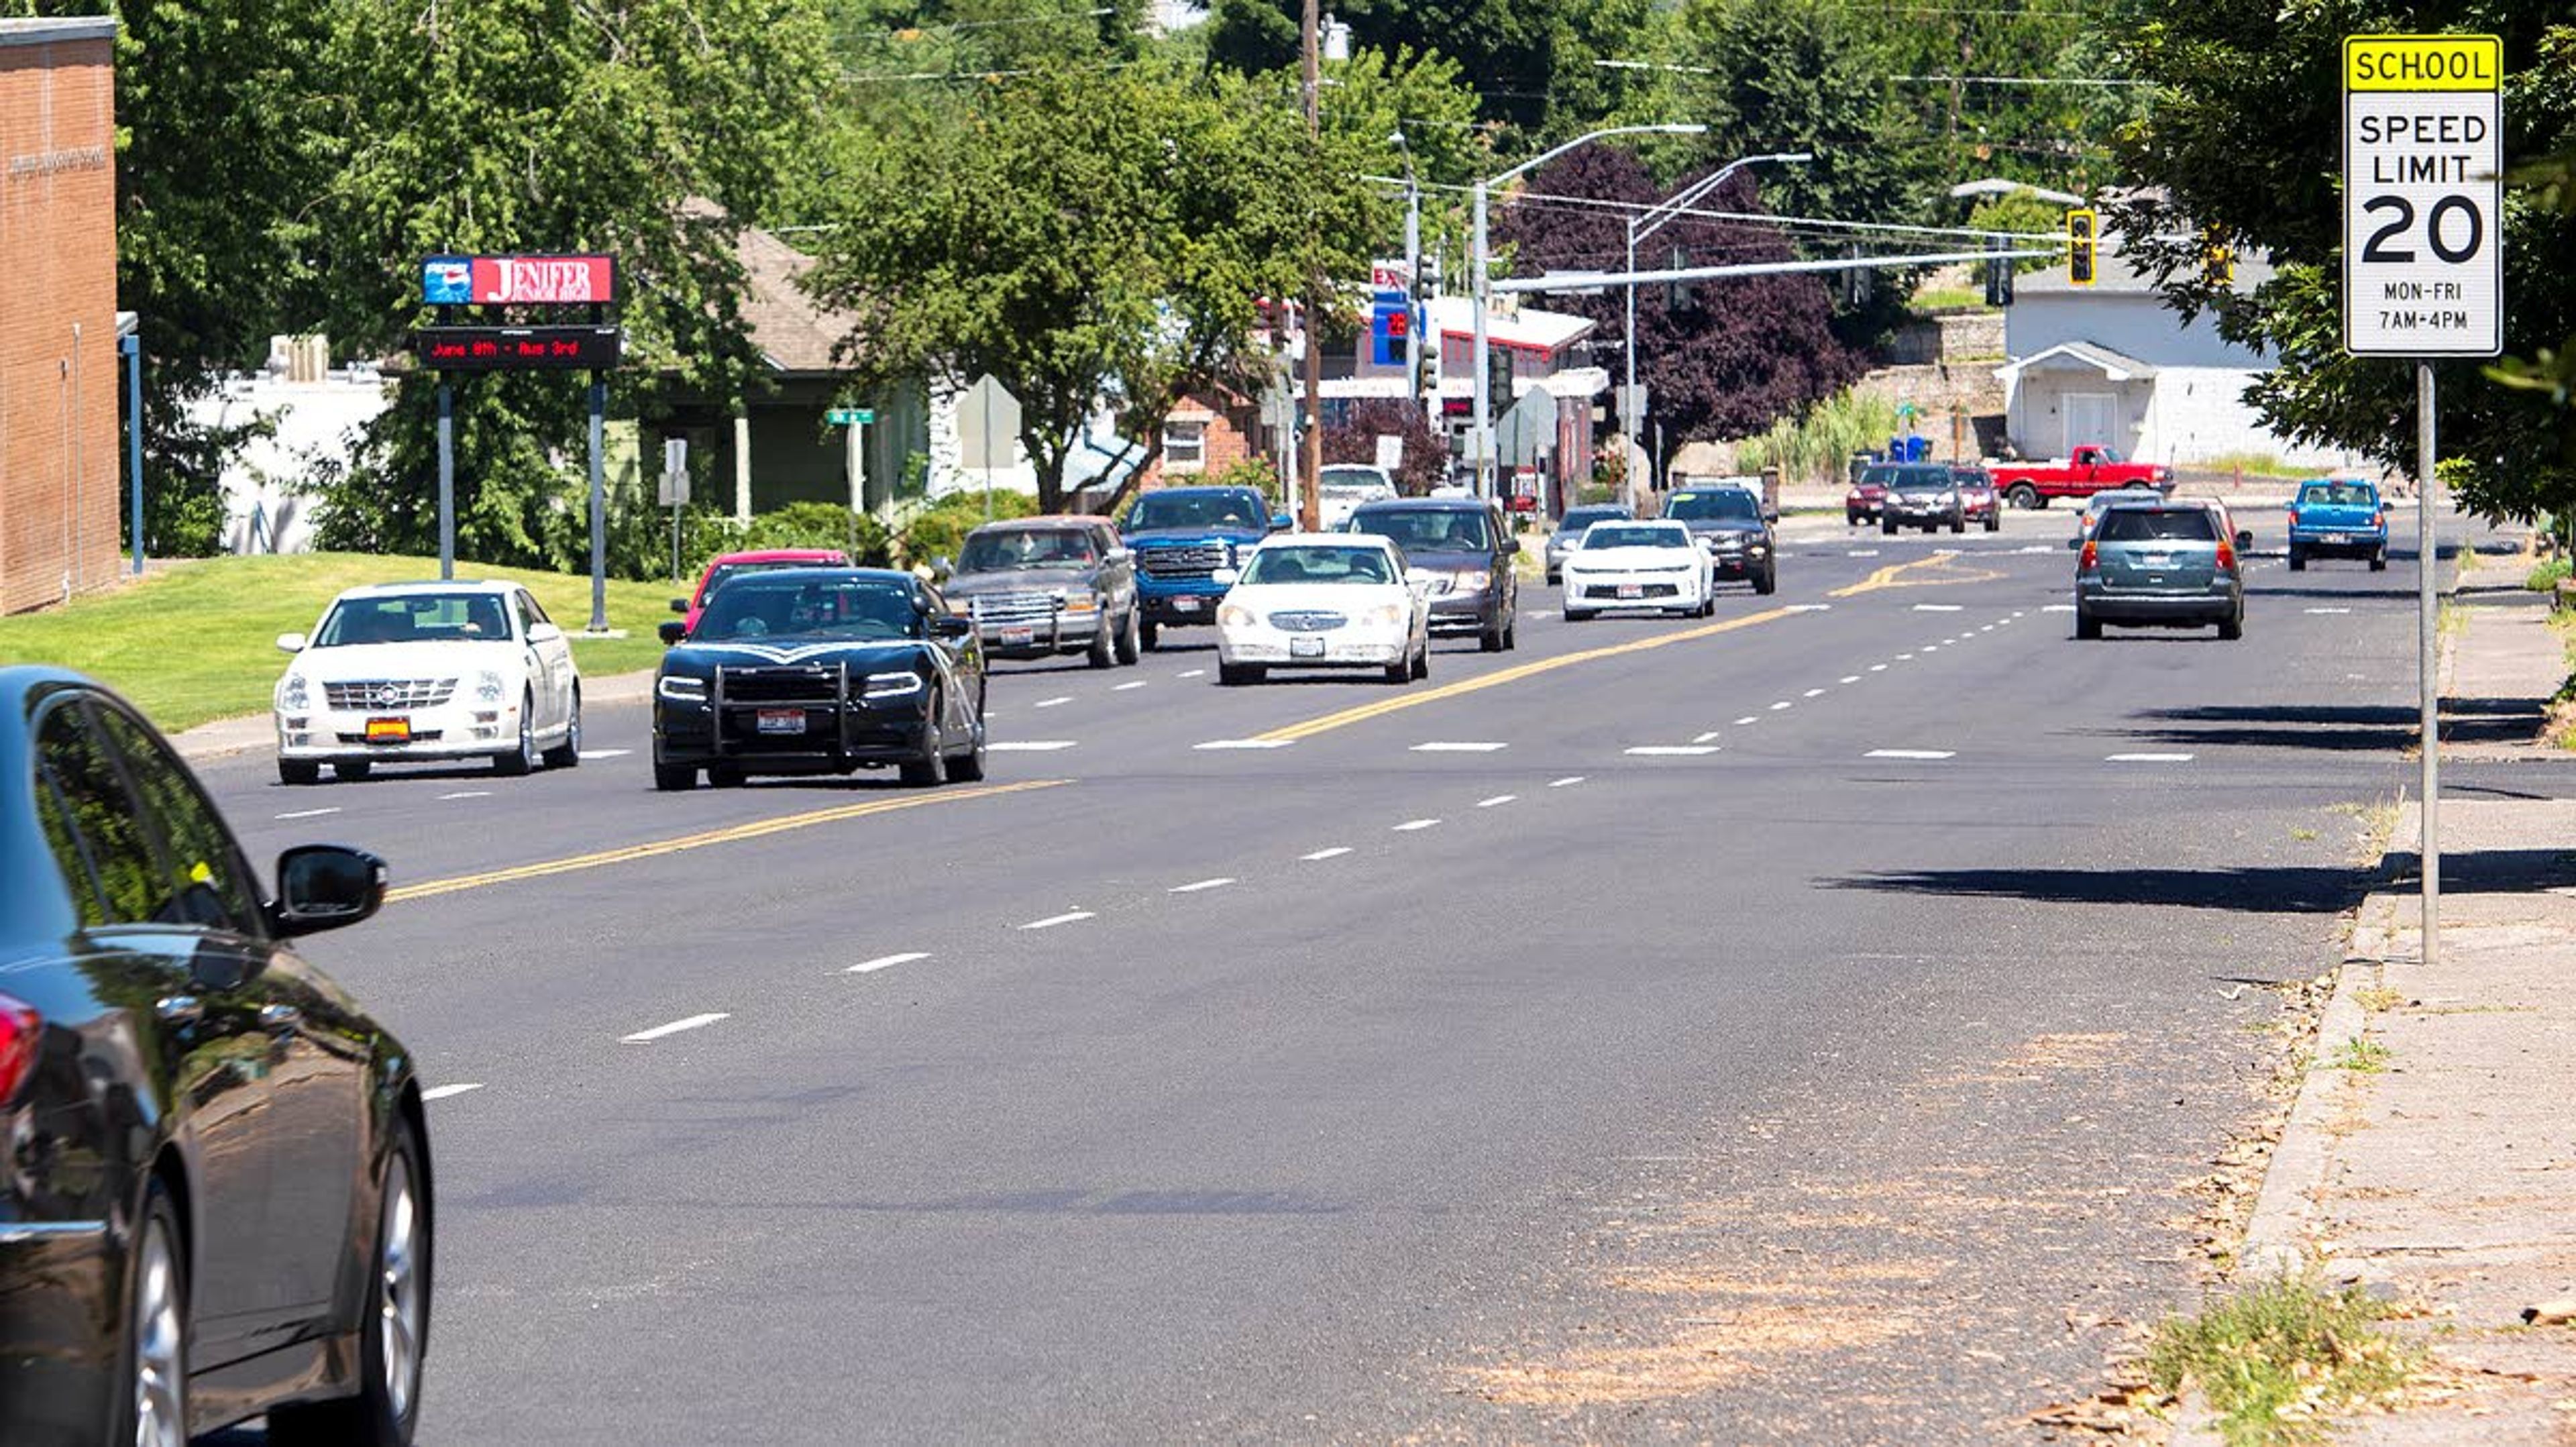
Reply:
x=217, y=1201
x=1728, y=521
x=821, y=671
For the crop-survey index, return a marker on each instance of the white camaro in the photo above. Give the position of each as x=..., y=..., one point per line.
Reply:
x=1642, y=564
x=428, y=671
x=1316, y=600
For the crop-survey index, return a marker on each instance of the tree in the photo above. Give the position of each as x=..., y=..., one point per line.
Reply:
x=1724, y=358
x=1092, y=239
x=1426, y=452
x=2242, y=148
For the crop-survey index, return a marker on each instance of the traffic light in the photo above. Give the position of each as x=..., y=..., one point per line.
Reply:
x=2079, y=248
x=1999, y=278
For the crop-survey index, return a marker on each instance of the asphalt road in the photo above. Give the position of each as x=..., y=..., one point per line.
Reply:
x=1802, y=1025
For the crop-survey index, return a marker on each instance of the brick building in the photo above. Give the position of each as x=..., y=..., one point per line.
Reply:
x=59, y=466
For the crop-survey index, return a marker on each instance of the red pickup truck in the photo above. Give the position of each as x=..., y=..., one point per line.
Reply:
x=2090, y=470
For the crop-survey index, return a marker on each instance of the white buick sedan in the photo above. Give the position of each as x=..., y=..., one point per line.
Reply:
x=415, y=672
x=1318, y=600
x=1646, y=564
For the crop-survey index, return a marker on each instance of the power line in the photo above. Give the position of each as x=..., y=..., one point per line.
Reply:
x=1749, y=218
x=2016, y=80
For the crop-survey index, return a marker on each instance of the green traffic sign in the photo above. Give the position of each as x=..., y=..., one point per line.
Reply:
x=850, y=416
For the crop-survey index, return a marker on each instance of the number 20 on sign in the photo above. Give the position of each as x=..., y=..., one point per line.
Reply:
x=2423, y=257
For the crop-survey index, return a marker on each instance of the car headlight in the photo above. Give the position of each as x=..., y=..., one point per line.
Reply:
x=294, y=694
x=893, y=685
x=1234, y=615
x=681, y=688
x=1076, y=602
x=1383, y=614
x=1757, y=550
x=1471, y=581
x=488, y=686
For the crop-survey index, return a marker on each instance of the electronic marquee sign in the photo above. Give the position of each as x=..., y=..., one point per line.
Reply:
x=518, y=281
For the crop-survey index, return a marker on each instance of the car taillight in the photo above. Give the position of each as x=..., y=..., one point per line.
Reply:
x=2092, y=553
x=2226, y=556
x=21, y=1028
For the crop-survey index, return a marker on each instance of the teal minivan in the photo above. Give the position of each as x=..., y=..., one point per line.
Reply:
x=2156, y=564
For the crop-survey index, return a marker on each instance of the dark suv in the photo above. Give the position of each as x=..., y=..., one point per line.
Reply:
x=1041, y=586
x=1467, y=548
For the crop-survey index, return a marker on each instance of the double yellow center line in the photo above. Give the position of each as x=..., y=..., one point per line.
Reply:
x=734, y=834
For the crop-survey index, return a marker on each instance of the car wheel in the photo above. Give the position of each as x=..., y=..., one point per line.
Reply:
x=2298, y=561
x=930, y=769
x=1149, y=635
x=1491, y=640
x=393, y=1337
x=298, y=772
x=968, y=767
x=567, y=754
x=674, y=778
x=1104, y=646
x=2231, y=629
x=2379, y=562
x=1512, y=633
x=523, y=759
x=2087, y=626
x=1578, y=615
x=1994, y=521
x=1769, y=582
x=1959, y=524
x=353, y=770
x=2022, y=495
x=726, y=776
x=1422, y=659
x=155, y=1406
x=1235, y=675
x=1128, y=646
x=1554, y=577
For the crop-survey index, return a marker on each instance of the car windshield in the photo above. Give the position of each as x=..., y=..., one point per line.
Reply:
x=1353, y=480
x=1006, y=549
x=1972, y=479
x=1197, y=510
x=1320, y=563
x=826, y=608
x=2156, y=525
x=1635, y=535
x=1922, y=479
x=1583, y=517
x=1730, y=503
x=415, y=618
x=717, y=575
x=2339, y=494
x=1428, y=530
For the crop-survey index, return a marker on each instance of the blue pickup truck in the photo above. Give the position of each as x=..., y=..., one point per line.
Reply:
x=1180, y=537
x=2338, y=518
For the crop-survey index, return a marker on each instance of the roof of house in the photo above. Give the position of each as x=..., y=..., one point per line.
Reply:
x=56, y=30
x=792, y=331
x=2087, y=356
x=1455, y=316
x=2116, y=275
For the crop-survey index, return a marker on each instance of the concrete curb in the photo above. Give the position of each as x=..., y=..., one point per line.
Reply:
x=245, y=733
x=2277, y=1239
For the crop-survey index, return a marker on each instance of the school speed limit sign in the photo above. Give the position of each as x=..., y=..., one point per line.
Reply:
x=2423, y=254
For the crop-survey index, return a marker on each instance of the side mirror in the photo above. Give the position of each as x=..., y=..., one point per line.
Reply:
x=290, y=642
x=2244, y=537
x=1511, y=547
x=679, y=605
x=672, y=633
x=1117, y=555
x=951, y=628
x=943, y=567
x=544, y=633
x=325, y=886
x=2074, y=543
x=1419, y=579
x=1226, y=577
x=1281, y=522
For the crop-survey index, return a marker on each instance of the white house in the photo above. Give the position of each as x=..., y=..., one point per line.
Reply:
x=315, y=412
x=2111, y=363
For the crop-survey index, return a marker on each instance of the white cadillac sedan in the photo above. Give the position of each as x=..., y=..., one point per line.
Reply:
x=1644, y=564
x=1318, y=600
x=428, y=671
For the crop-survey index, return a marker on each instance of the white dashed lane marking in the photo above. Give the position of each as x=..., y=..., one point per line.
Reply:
x=1911, y=754
x=442, y=1092
x=2059, y=608
x=1071, y=916
x=1057, y=702
x=1030, y=746
x=1878, y=668
x=886, y=962
x=466, y=794
x=309, y=813
x=1568, y=782
x=1195, y=673
x=1815, y=693
x=1707, y=738
x=1851, y=678
x=1458, y=746
x=2146, y=758
x=1784, y=703
x=605, y=753
x=1936, y=607
x=1496, y=802
x=1124, y=687
x=1411, y=826
x=646, y=1037
x=1750, y=718
x=1201, y=886
x=1243, y=744
x=1672, y=751
x=2329, y=610
x=1320, y=855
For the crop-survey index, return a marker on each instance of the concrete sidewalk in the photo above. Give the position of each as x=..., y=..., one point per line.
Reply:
x=254, y=731
x=2432, y=1152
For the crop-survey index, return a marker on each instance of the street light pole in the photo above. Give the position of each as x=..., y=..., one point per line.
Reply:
x=1311, y=456
x=1412, y=278
x=1646, y=223
x=1479, y=261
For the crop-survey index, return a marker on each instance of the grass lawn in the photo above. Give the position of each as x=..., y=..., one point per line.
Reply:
x=199, y=641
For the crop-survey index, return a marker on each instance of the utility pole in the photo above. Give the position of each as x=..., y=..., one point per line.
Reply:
x=1311, y=456
x=1412, y=278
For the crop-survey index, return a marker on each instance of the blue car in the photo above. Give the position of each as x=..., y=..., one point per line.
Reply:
x=1181, y=537
x=2338, y=518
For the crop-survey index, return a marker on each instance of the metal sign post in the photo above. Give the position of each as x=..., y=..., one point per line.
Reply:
x=446, y=479
x=2423, y=277
x=675, y=491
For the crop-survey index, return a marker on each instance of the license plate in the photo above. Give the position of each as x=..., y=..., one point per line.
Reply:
x=781, y=721
x=389, y=731
x=1185, y=605
x=1014, y=636
x=1305, y=647
x=2338, y=537
x=1632, y=590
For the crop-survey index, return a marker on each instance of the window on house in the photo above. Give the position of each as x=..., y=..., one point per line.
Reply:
x=1184, y=446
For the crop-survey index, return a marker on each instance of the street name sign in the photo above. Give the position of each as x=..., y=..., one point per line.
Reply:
x=850, y=416
x=2423, y=142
